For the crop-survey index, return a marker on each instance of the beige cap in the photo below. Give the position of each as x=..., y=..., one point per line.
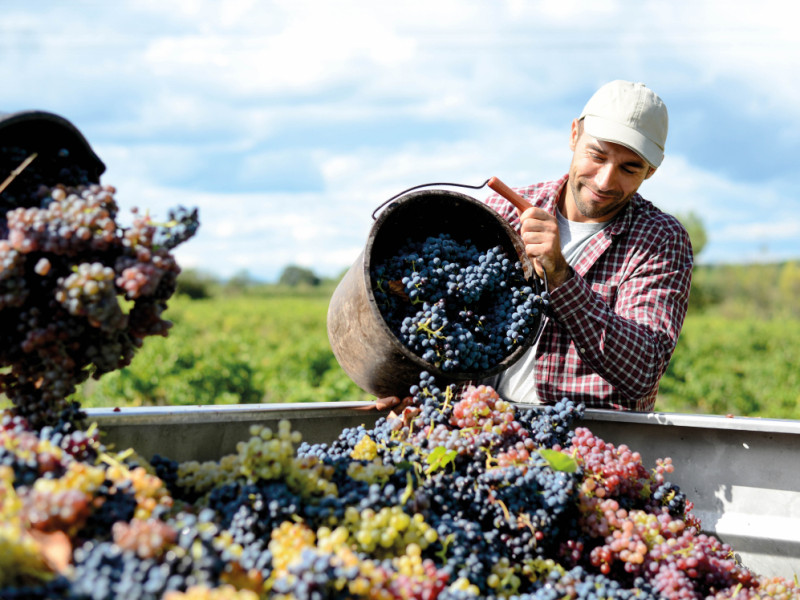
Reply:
x=630, y=114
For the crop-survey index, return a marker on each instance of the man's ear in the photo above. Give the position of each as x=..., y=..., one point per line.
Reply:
x=650, y=172
x=574, y=134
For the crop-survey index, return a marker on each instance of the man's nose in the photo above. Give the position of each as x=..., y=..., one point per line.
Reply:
x=606, y=177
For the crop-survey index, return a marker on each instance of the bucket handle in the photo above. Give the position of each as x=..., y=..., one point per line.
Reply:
x=416, y=187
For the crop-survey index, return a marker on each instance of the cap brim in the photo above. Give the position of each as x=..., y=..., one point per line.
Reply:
x=610, y=131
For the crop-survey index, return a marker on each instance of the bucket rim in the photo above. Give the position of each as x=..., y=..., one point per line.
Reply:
x=57, y=126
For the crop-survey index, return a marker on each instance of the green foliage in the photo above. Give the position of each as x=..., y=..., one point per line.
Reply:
x=745, y=291
x=196, y=285
x=232, y=350
x=240, y=283
x=745, y=367
x=789, y=287
x=439, y=458
x=697, y=231
x=294, y=276
x=558, y=461
x=740, y=344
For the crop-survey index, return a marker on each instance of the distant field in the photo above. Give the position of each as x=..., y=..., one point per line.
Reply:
x=745, y=367
x=275, y=349
x=232, y=350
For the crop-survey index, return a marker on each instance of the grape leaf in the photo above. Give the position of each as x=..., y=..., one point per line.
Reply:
x=559, y=461
x=439, y=458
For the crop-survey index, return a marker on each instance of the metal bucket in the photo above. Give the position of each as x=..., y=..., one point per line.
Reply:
x=49, y=135
x=363, y=344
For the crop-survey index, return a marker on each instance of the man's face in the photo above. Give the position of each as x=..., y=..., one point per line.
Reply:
x=603, y=177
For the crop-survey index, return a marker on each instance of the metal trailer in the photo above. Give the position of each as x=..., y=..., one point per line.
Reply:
x=742, y=474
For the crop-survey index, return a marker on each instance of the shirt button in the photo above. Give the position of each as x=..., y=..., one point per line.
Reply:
x=582, y=350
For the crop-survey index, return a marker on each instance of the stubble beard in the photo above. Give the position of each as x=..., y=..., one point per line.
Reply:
x=591, y=211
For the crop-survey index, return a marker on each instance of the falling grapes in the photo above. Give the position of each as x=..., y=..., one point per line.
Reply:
x=455, y=306
x=78, y=292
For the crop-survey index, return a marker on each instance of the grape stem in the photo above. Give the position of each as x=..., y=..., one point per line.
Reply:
x=16, y=172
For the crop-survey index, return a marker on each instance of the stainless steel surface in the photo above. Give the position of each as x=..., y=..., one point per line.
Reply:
x=741, y=474
x=209, y=432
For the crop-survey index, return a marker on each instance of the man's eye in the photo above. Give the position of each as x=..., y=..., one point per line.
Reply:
x=633, y=170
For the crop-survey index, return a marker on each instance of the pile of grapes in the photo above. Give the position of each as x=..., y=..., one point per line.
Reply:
x=456, y=307
x=462, y=496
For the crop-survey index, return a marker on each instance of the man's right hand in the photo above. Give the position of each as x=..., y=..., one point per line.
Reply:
x=539, y=232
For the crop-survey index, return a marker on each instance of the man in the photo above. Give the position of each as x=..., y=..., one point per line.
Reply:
x=618, y=268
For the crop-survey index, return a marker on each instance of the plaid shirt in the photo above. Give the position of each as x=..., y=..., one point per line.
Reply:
x=615, y=323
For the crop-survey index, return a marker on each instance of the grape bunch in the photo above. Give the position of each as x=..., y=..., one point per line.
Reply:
x=78, y=292
x=34, y=171
x=462, y=496
x=458, y=308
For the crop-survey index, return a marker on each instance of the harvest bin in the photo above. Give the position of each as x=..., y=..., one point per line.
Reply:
x=740, y=473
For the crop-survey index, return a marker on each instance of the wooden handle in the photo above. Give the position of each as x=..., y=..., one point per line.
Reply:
x=509, y=194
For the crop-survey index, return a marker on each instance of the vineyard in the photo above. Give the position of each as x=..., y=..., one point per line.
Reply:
x=274, y=348
x=233, y=350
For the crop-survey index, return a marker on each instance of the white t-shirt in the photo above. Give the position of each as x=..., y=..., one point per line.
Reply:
x=517, y=383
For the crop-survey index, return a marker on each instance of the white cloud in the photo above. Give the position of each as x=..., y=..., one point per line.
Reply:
x=760, y=231
x=306, y=48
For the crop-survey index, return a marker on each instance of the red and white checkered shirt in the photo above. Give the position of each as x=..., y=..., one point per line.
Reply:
x=616, y=321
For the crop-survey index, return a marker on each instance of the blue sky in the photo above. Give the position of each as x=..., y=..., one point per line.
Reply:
x=288, y=122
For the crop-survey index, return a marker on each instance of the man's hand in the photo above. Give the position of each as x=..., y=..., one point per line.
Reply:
x=539, y=231
x=392, y=402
